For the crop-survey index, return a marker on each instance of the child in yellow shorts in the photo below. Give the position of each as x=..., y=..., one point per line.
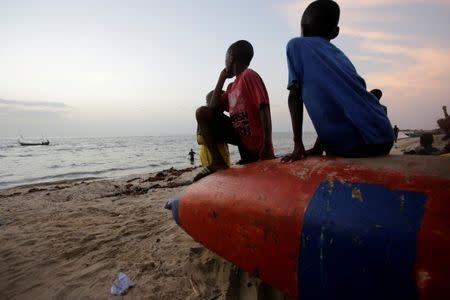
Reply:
x=205, y=154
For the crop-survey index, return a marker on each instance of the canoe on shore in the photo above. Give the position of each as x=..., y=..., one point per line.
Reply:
x=330, y=228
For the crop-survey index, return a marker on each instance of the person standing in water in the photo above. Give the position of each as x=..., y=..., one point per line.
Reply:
x=191, y=156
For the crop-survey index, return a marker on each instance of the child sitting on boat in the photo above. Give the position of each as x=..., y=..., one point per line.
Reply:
x=378, y=93
x=349, y=120
x=249, y=125
x=205, y=154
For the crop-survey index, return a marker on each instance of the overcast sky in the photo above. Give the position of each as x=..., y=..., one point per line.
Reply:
x=114, y=68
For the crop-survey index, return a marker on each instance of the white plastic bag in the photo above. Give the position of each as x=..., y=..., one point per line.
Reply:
x=121, y=285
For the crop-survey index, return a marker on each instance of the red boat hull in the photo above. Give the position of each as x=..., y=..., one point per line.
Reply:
x=329, y=228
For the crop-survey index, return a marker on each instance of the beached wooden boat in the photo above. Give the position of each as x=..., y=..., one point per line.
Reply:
x=43, y=143
x=330, y=228
x=418, y=133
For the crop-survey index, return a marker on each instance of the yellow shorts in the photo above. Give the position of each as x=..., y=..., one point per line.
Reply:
x=205, y=154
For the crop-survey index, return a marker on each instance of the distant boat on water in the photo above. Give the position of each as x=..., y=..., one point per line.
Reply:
x=42, y=143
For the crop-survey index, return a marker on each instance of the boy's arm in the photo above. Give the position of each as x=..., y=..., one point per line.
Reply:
x=296, y=109
x=215, y=102
x=266, y=123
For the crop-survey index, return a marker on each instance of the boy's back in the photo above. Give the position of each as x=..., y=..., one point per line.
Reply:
x=349, y=120
x=343, y=112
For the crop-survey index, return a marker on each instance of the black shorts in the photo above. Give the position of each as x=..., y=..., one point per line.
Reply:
x=224, y=131
x=365, y=151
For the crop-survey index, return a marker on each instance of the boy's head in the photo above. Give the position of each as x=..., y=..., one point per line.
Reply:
x=321, y=18
x=239, y=54
x=377, y=93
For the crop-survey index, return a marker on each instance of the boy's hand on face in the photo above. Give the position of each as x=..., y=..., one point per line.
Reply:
x=298, y=153
x=225, y=74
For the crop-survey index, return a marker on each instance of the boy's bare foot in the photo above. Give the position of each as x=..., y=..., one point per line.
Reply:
x=207, y=171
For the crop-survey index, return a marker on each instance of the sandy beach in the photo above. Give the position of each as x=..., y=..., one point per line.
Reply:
x=68, y=240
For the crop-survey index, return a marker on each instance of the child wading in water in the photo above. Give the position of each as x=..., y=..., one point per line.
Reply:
x=249, y=126
x=205, y=154
x=349, y=120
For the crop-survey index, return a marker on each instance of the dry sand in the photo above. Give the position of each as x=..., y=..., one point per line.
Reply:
x=69, y=240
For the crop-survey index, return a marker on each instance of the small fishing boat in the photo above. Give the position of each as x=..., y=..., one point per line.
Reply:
x=43, y=143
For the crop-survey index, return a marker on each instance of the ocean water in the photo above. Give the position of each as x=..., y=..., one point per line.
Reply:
x=106, y=157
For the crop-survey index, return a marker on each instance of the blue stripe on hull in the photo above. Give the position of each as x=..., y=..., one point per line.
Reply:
x=173, y=205
x=359, y=242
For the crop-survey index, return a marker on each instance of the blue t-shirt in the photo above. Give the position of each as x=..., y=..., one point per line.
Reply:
x=344, y=113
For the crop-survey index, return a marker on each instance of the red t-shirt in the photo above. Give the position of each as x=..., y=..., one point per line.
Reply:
x=242, y=100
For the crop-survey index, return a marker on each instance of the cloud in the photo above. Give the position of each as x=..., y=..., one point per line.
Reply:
x=32, y=104
x=14, y=114
x=363, y=12
x=31, y=112
x=374, y=35
x=378, y=3
x=428, y=68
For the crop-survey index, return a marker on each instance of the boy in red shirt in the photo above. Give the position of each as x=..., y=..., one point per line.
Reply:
x=249, y=126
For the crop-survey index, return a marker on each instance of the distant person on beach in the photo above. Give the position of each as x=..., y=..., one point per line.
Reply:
x=205, y=154
x=191, y=156
x=396, y=130
x=444, y=124
x=349, y=120
x=249, y=125
x=426, y=146
x=378, y=93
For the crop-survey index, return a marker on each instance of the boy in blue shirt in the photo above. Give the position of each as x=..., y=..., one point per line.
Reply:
x=349, y=121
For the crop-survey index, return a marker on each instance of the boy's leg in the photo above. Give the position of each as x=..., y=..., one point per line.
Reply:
x=218, y=128
x=215, y=128
x=209, y=125
x=228, y=135
x=317, y=149
x=246, y=155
